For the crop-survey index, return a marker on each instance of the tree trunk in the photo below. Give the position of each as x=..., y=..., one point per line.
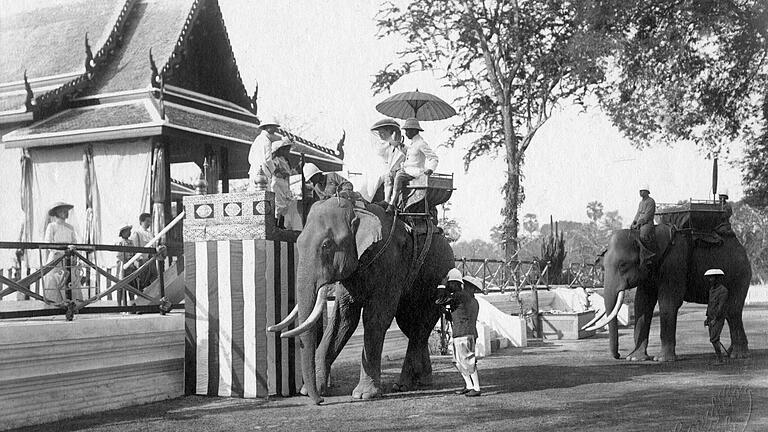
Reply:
x=511, y=187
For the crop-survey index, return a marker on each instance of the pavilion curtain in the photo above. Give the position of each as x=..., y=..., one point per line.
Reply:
x=118, y=187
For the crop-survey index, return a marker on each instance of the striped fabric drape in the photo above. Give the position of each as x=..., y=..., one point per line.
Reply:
x=235, y=289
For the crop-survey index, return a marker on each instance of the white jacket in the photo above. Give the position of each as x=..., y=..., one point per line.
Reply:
x=419, y=157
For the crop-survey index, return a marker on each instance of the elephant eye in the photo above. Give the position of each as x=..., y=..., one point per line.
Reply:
x=326, y=244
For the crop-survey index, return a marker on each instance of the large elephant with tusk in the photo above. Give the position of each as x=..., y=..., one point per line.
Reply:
x=372, y=255
x=678, y=277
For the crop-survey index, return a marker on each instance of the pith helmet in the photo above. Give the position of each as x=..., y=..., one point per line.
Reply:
x=645, y=188
x=412, y=123
x=277, y=145
x=714, y=272
x=385, y=122
x=475, y=282
x=310, y=169
x=124, y=227
x=454, y=275
x=269, y=122
x=58, y=205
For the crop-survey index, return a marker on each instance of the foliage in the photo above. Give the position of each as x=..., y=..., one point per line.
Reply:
x=510, y=62
x=686, y=70
x=530, y=224
x=594, y=211
x=477, y=249
x=553, y=252
x=451, y=228
x=751, y=227
x=755, y=167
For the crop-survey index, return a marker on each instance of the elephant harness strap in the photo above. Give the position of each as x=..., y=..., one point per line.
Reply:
x=416, y=263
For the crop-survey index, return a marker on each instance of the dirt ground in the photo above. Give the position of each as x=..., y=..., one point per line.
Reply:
x=551, y=386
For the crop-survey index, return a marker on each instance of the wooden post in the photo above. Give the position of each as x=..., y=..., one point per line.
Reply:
x=224, y=169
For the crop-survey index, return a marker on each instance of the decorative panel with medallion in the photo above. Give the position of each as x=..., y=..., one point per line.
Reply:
x=240, y=273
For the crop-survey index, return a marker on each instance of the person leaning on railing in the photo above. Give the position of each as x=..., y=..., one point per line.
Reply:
x=122, y=258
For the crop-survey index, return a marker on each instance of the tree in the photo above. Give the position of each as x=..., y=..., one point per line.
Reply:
x=530, y=224
x=612, y=221
x=511, y=62
x=594, y=211
x=755, y=167
x=751, y=228
x=450, y=227
x=688, y=70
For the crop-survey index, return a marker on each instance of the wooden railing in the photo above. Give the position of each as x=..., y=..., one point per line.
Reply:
x=81, y=276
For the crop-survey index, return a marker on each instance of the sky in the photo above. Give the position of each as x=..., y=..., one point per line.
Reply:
x=315, y=61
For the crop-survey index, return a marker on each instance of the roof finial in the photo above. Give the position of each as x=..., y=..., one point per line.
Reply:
x=254, y=102
x=88, y=57
x=340, y=145
x=153, y=67
x=29, y=102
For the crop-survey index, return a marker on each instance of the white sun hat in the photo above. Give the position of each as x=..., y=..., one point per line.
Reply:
x=714, y=272
x=455, y=275
x=310, y=169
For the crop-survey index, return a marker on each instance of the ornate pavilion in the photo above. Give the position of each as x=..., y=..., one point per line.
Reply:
x=98, y=99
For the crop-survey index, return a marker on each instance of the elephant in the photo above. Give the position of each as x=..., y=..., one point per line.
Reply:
x=371, y=254
x=676, y=276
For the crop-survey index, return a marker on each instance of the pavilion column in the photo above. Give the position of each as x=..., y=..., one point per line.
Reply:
x=160, y=186
x=212, y=169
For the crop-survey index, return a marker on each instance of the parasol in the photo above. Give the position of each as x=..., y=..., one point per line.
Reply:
x=422, y=106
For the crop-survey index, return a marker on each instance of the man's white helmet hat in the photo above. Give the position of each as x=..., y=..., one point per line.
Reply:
x=455, y=275
x=310, y=169
x=714, y=272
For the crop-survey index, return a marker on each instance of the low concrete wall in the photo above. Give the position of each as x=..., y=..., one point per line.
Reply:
x=757, y=294
x=51, y=369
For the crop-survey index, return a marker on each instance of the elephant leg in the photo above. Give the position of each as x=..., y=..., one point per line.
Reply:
x=341, y=326
x=417, y=325
x=376, y=322
x=739, y=347
x=645, y=301
x=668, y=320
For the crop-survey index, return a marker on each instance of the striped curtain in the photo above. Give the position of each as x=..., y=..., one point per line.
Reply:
x=234, y=290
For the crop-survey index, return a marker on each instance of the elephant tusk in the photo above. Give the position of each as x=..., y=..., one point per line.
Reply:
x=286, y=322
x=614, y=312
x=311, y=320
x=598, y=315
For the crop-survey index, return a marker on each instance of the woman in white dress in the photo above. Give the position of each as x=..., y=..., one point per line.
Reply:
x=57, y=230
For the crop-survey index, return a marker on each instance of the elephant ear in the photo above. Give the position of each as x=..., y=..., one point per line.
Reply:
x=367, y=229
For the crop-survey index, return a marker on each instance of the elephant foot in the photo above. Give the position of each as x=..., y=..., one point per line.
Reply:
x=639, y=356
x=738, y=352
x=400, y=387
x=662, y=358
x=366, y=391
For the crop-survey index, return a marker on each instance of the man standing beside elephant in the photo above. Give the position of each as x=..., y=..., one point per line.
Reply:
x=643, y=221
x=718, y=295
x=460, y=298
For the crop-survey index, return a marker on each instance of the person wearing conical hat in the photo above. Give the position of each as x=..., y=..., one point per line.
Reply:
x=420, y=160
x=260, y=154
x=124, y=235
x=324, y=185
x=643, y=222
x=57, y=230
x=463, y=308
x=718, y=297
